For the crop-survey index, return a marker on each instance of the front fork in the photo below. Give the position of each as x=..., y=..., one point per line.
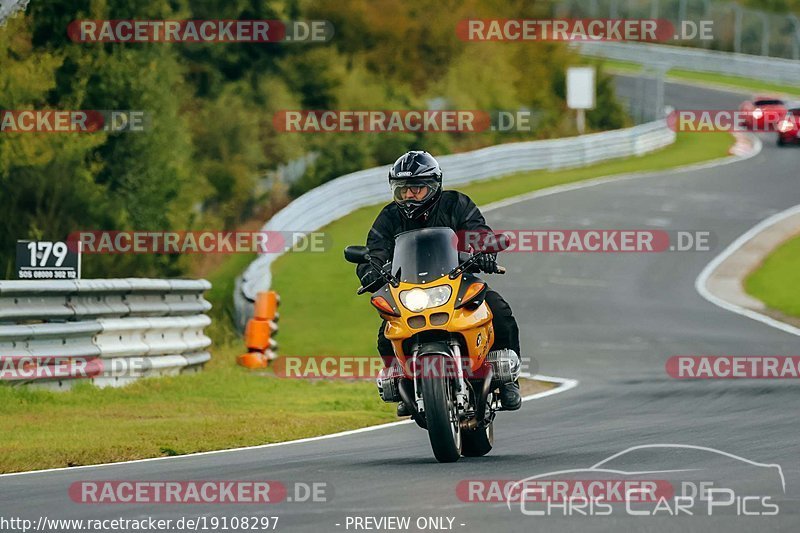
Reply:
x=461, y=392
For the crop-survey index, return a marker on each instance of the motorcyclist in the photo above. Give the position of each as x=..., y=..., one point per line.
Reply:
x=419, y=202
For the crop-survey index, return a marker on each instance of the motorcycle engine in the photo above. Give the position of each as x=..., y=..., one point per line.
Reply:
x=505, y=364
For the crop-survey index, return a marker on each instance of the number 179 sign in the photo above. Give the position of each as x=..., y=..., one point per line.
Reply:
x=47, y=260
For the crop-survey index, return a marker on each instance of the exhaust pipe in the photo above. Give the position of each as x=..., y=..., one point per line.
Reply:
x=406, y=394
x=480, y=407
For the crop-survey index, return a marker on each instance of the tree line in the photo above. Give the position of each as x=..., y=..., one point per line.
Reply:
x=209, y=136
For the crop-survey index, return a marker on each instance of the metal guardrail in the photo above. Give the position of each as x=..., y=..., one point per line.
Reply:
x=772, y=69
x=66, y=300
x=733, y=27
x=110, y=331
x=316, y=209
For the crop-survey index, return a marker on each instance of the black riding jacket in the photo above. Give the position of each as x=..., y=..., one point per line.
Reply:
x=454, y=210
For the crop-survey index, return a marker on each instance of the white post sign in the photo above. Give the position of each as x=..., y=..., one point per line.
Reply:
x=581, y=92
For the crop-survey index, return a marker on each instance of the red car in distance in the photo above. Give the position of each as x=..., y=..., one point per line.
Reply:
x=762, y=113
x=789, y=126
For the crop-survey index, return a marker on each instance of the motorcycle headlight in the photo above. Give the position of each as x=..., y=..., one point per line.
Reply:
x=757, y=113
x=417, y=299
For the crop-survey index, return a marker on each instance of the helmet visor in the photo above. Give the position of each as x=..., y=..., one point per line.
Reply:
x=413, y=190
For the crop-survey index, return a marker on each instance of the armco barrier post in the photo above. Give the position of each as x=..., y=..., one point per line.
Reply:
x=260, y=330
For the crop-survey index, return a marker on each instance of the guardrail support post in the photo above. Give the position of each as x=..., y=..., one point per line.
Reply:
x=737, y=28
x=795, y=37
x=764, y=34
x=653, y=9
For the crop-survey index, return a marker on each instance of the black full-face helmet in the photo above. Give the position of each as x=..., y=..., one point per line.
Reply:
x=411, y=172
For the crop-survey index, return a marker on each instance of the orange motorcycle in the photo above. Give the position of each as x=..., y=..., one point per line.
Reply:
x=441, y=331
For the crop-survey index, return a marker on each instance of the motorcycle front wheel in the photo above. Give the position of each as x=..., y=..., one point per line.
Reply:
x=444, y=430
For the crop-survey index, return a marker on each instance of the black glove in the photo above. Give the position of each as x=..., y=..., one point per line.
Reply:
x=487, y=262
x=371, y=280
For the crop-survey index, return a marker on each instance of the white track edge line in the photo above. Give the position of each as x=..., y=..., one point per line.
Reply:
x=565, y=384
x=701, y=282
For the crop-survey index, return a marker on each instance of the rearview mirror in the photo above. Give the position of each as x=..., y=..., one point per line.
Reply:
x=356, y=254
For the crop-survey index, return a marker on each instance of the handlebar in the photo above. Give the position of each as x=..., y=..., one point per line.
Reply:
x=498, y=270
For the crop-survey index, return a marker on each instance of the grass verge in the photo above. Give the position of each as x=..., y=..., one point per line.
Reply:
x=734, y=82
x=226, y=406
x=777, y=281
x=222, y=407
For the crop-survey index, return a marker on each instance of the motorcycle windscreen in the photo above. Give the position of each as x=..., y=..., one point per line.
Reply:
x=424, y=255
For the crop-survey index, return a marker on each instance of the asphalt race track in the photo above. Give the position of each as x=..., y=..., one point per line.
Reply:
x=608, y=320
